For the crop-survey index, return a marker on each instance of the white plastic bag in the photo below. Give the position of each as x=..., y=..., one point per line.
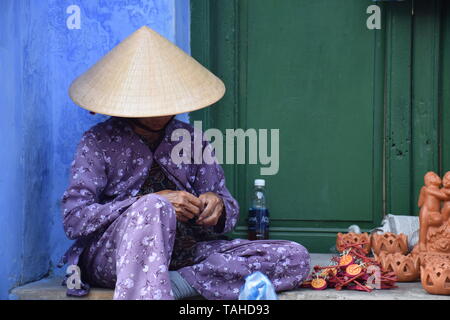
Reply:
x=257, y=287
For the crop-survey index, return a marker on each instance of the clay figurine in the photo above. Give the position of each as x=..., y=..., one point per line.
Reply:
x=434, y=240
x=430, y=207
x=446, y=189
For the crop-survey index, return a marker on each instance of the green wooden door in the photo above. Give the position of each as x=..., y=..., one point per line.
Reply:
x=328, y=108
x=340, y=94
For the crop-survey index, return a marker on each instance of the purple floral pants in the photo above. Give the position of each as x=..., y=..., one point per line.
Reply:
x=133, y=256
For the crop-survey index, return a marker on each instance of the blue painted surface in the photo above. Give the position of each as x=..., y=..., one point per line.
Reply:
x=40, y=126
x=25, y=132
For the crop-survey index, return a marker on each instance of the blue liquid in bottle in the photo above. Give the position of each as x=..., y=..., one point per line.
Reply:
x=258, y=214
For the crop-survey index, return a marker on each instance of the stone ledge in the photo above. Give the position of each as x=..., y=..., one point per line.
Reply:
x=405, y=291
x=51, y=289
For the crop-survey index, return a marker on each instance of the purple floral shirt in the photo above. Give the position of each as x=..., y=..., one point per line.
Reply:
x=111, y=165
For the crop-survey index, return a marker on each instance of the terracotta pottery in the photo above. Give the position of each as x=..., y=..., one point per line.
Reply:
x=434, y=235
x=435, y=273
x=406, y=268
x=346, y=240
x=389, y=243
x=427, y=258
x=446, y=205
x=438, y=239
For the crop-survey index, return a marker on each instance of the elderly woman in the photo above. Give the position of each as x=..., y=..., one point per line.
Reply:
x=145, y=226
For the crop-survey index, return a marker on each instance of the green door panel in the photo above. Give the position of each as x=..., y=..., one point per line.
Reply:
x=444, y=88
x=324, y=105
x=362, y=113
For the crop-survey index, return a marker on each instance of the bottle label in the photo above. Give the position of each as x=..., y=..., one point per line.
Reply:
x=258, y=220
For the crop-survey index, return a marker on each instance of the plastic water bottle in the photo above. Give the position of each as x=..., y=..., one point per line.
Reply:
x=258, y=215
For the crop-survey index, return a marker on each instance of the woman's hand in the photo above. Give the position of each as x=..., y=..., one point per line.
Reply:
x=213, y=208
x=187, y=206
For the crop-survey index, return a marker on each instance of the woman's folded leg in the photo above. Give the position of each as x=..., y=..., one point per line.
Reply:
x=133, y=254
x=221, y=266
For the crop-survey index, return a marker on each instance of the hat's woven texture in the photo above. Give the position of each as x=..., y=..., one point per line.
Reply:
x=146, y=76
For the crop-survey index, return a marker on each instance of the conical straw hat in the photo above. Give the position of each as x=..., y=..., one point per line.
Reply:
x=146, y=76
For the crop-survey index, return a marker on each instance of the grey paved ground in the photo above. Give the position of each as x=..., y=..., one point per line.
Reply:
x=51, y=289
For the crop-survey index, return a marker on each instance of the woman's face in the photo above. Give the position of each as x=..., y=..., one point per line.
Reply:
x=156, y=123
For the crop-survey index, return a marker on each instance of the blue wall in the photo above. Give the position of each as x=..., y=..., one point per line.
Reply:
x=40, y=126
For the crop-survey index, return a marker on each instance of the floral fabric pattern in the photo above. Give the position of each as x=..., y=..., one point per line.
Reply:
x=129, y=243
